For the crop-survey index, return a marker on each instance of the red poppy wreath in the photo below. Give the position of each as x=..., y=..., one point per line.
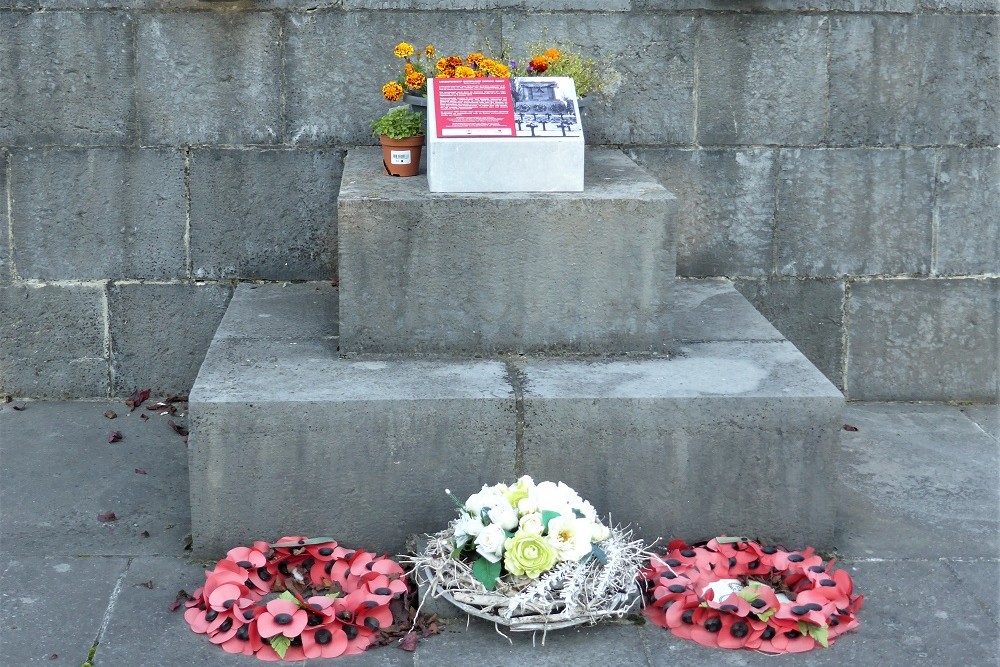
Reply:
x=734, y=593
x=295, y=599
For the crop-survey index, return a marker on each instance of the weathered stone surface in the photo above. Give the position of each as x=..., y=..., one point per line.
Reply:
x=5, y=254
x=66, y=445
x=654, y=431
x=970, y=6
x=917, y=481
x=762, y=79
x=930, y=340
x=854, y=212
x=904, y=6
x=925, y=79
x=486, y=273
x=986, y=417
x=327, y=101
x=726, y=220
x=654, y=55
x=159, y=334
x=810, y=313
x=54, y=606
x=712, y=310
x=53, y=341
x=968, y=201
x=275, y=313
x=534, y=5
x=94, y=214
x=68, y=78
x=210, y=78
x=268, y=214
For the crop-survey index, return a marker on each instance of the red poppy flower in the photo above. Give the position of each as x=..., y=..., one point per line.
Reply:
x=792, y=641
x=253, y=561
x=246, y=640
x=324, y=551
x=267, y=654
x=381, y=588
x=327, y=641
x=282, y=617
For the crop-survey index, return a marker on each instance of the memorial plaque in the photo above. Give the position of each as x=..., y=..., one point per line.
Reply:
x=504, y=135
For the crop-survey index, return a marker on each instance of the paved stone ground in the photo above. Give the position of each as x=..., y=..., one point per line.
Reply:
x=918, y=506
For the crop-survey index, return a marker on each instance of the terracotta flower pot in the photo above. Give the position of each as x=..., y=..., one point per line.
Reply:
x=401, y=157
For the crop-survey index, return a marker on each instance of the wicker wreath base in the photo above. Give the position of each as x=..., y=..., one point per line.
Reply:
x=570, y=594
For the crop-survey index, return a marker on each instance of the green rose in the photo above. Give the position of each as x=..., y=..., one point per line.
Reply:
x=528, y=554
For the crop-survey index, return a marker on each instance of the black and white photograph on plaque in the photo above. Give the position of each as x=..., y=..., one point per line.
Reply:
x=545, y=107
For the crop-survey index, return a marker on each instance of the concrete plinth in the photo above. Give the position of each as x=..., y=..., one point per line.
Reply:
x=505, y=272
x=736, y=433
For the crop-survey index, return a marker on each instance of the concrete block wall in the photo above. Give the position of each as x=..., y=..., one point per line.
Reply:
x=838, y=159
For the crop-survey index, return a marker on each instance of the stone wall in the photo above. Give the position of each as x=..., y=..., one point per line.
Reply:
x=837, y=158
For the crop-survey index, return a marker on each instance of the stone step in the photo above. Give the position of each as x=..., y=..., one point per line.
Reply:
x=488, y=273
x=736, y=433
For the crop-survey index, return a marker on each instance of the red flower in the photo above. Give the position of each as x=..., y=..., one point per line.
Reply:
x=282, y=617
x=327, y=641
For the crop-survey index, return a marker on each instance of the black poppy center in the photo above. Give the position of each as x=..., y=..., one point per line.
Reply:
x=245, y=564
x=248, y=614
x=769, y=633
x=226, y=625
x=713, y=624
x=350, y=631
x=828, y=582
x=211, y=615
x=673, y=562
x=243, y=633
x=688, y=553
x=796, y=558
x=383, y=591
x=676, y=588
x=668, y=575
x=758, y=604
x=729, y=607
x=263, y=574
x=769, y=550
x=323, y=636
x=344, y=616
x=688, y=617
x=325, y=551
x=739, y=629
x=283, y=619
x=372, y=622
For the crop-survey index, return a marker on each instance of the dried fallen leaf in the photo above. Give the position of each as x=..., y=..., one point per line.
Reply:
x=115, y=436
x=176, y=399
x=162, y=408
x=107, y=517
x=409, y=642
x=144, y=533
x=110, y=414
x=144, y=417
x=147, y=584
x=182, y=597
x=19, y=408
x=179, y=430
x=54, y=656
x=140, y=471
x=848, y=427
x=137, y=399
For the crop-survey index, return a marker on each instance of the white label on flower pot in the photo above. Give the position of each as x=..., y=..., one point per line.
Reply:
x=401, y=157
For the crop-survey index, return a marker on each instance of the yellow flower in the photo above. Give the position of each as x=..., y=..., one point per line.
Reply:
x=474, y=59
x=415, y=80
x=553, y=55
x=408, y=68
x=392, y=91
x=463, y=72
x=403, y=50
x=493, y=68
x=430, y=50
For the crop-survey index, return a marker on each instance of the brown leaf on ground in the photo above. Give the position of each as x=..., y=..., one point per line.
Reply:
x=409, y=642
x=848, y=427
x=176, y=399
x=144, y=533
x=110, y=414
x=115, y=436
x=137, y=399
x=147, y=584
x=19, y=408
x=140, y=471
x=144, y=417
x=162, y=408
x=179, y=430
x=107, y=517
x=182, y=597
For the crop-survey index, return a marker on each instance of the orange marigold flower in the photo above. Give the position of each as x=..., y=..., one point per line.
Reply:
x=403, y=50
x=408, y=68
x=430, y=50
x=493, y=68
x=415, y=80
x=474, y=59
x=538, y=64
x=453, y=61
x=392, y=91
x=553, y=55
x=463, y=72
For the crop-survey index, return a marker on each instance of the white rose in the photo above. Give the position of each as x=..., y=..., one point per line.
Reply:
x=547, y=496
x=570, y=497
x=570, y=537
x=599, y=532
x=527, y=506
x=486, y=498
x=531, y=523
x=489, y=543
x=466, y=527
x=503, y=515
x=587, y=510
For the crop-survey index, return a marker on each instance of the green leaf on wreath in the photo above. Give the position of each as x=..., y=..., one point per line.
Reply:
x=280, y=644
x=547, y=516
x=287, y=595
x=598, y=553
x=332, y=595
x=821, y=634
x=749, y=594
x=766, y=616
x=486, y=572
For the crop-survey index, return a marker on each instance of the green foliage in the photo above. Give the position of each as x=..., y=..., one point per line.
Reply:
x=399, y=123
x=287, y=595
x=280, y=644
x=598, y=553
x=486, y=572
x=548, y=515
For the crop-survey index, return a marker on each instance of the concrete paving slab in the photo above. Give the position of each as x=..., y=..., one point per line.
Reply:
x=913, y=614
x=62, y=447
x=981, y=582
x=51, y=608
x=917, y=481
x=479, y=643
x=713, y=310
x=274, y=311
x=986, y=416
